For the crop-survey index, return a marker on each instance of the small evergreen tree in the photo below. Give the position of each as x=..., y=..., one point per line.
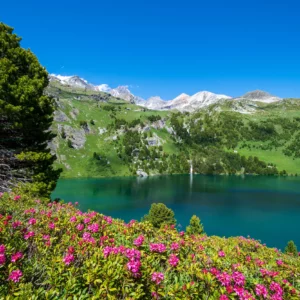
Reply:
x=291, y=249
x=195, y=226
x=160, y=214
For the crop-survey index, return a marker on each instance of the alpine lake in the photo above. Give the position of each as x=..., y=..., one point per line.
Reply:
x=264, y=208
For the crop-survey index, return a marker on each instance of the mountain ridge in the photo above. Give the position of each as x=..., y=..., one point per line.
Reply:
x=182, y=103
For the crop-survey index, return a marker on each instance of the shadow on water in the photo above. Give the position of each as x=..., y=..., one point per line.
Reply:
x=266, y=208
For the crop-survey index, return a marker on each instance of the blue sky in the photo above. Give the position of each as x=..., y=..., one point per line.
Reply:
x=166, y=47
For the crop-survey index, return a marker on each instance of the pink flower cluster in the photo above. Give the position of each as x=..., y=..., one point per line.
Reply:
x=173, y=260
x=174, y=246
x=157, y=277
x=15, y=257
x=29, y=234
x=68, y=258
x=15, y=275
x=2, y=255
x=108, y=219
x=261, y=290
x=16, y=224
x=94, y=227
x=73, y=219
x=277, y=290
x=139, y=241
x=32, y=221
x=134, y=267
x=86, y=237
x=157, y=248
x=265, y=272
x=221, y=254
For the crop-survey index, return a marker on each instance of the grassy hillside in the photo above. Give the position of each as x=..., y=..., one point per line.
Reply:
x=100, y=136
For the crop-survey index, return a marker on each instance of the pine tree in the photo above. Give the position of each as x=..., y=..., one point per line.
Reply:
x=26, y=115
x=291, y=249
x=195, y=226
x=160, y=214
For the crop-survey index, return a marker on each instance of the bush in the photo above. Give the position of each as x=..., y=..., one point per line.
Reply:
x=55, y=251
x=195, y=226
x=160, y=214
x=69, y=143
x=291, y=249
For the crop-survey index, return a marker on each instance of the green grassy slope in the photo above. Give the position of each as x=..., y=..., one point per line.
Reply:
x=79, y=105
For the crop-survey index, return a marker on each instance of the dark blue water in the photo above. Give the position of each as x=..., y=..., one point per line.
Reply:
x=265, y=208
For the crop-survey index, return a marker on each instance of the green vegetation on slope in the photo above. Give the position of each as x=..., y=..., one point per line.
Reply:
x=128, y=139
x=54, y=251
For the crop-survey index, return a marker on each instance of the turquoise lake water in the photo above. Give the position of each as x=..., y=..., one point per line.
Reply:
x=265, y=208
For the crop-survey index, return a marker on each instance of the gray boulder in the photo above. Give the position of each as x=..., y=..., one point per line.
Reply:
x=60, y=116
x=141, y=173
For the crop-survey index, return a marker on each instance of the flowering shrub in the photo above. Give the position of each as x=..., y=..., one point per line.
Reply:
x=55, y=251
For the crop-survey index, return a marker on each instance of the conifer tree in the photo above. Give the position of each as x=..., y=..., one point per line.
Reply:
x=26, y=114
x=160, y=214
x=195, y=226
x=291, y=248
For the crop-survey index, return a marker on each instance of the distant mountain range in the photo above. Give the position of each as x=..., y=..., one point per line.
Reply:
x=182, y=103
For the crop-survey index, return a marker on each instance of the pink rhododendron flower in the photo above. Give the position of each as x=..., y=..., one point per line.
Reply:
x=29, y=211
x=174, y=246
x=224, y=278
x=76, y=203
x=80, y=227
x=275, y=287
x=279, y=262
x=221, y=254
x=2, y=249
x=51, y=225
x=173, y=260
x=157, y=248
x=181, y=233
x=133, y=254
x=68, y=258
x=32, y=221
x=108, y=219
x=2, y=259
x=16, y=256
x=224, y=297
x=86, y=220
x=29, y=235
x=94, y=227
x=134, y=266
x=238, y=278
x=73, y=219
x=157, y=277
x=46, y=237
x=15, y=275
x=261, y=290
x=16, y=224
x=214, y=271
x=139, y=241
x=1, y=194
x=18, y=197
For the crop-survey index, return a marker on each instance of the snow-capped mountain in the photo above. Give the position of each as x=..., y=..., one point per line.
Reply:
x=155, y=103
x=260, y=96
x=76, y=81
x=182, y=103
x=123, y=93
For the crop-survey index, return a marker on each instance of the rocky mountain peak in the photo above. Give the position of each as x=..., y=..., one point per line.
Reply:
x=260, y=96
